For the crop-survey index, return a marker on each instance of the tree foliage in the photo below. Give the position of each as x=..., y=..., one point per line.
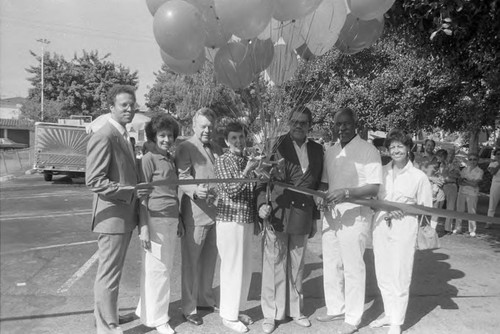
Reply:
x=75, y=87
x=181, y=95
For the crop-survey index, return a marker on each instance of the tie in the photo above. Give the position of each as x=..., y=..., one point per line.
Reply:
x=208, y=149
x=129, y=144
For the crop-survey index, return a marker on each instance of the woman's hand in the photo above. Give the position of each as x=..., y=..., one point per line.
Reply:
x=264, y=211
x=144, y=237
x=251, y=165
x=398, y=214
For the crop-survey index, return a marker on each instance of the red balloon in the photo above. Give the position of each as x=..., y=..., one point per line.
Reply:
x=357, y=34
x=178, y=28
x=244, y=18
x=189, y=66
x=232, y=67
x=260, y=54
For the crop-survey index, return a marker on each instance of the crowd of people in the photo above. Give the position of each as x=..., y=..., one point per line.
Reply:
x=218, y=219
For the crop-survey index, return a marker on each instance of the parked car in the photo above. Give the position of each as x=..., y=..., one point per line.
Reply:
x=8, y=144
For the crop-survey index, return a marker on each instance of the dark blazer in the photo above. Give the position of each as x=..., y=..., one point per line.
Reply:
x=294, y=212
x=193, y=162
x=111, y=174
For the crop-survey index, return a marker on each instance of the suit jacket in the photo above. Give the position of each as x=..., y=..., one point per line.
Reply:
x=293, y=212
x=193, y=162
x=112, y=174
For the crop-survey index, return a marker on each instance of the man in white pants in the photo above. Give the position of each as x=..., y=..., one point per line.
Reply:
x=352, y=169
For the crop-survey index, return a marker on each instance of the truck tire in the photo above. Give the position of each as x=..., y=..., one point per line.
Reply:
x=47, y=177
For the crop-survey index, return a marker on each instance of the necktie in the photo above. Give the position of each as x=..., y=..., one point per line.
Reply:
x=129, y=144
x=208, y=149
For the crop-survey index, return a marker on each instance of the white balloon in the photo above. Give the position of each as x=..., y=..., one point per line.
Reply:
x=322, y=27
x=288, y=31
x=284, y=64
x=369, y=9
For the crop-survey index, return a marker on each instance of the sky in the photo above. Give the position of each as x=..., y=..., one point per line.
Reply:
x=123, y=28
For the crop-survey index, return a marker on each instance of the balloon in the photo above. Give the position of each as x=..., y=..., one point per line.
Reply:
x=260, y=54
x=369, y=9
x=232, y=67
x=289, y=31
x=153, y=5
x=178, y=28
x=285, y=10
x=322, y=27
x=244, y=18
x=357, y=34
x=183, y=66
x=217, y=36
x=283, y=65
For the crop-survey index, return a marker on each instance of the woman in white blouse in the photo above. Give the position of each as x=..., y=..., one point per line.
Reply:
x=395, y=233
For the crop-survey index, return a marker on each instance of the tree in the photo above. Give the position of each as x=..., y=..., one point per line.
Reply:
x=181, y=95
x=463, y=36
x=78, y=87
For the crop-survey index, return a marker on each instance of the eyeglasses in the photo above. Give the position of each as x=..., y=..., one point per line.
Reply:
x=299, y=123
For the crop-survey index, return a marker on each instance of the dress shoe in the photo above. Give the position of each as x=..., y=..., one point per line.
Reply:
x=245, y=319
x=165, y=329
x=126, y=318
x=302, y=321
x=208, y=308
x=115, y=329
x=327, y=317
x=347, y=329
x=195, y=319
x=380, y=322
x=236, y=326
x=268, y=326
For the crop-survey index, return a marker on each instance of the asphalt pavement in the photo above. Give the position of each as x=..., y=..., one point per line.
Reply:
x=48, y=265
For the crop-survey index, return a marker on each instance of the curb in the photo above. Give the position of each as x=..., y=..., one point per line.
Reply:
x=13, y=176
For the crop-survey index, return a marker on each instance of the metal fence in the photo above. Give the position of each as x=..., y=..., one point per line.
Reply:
x=15, y=161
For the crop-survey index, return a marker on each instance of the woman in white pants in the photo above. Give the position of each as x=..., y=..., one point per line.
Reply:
x=468, y=192
x=159, y=225
x=395, y=233
x=235, y=217
x=494, y=169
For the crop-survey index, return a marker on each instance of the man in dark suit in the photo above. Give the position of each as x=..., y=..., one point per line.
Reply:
x=292, y=216
x=113, y=177
x=195, y=159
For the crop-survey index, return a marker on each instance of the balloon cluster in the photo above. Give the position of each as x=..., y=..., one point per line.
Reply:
x=246, y=37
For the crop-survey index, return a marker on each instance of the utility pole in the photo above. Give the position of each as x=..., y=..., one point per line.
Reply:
x=44, y=42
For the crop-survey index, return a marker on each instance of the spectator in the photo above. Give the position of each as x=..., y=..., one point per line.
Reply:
x=494, y=169
x=450, y=172
x=468, y=191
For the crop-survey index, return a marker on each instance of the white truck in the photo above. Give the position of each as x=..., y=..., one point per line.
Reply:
x=61, y=148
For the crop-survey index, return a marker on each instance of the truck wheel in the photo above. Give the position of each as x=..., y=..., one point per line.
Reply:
x=47, y=177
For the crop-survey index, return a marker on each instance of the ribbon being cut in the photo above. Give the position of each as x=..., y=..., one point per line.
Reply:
x=411, y=209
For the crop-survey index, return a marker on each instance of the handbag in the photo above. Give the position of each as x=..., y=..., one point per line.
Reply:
x=427, y=237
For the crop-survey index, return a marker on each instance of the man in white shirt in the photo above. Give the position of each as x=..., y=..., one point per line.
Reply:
x=352, y=169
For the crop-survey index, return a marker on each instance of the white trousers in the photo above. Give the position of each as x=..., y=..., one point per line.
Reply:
x=155, y=273
x=394, y=249
x=234, y=243
x=471, y=201
x=344, y=242
x=494, y=198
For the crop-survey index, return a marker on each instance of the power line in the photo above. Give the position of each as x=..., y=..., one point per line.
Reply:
x=79, y=30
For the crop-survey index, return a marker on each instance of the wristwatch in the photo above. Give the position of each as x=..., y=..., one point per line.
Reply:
x=346, y=193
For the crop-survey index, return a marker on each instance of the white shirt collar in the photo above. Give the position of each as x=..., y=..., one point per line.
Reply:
x=119, y=127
